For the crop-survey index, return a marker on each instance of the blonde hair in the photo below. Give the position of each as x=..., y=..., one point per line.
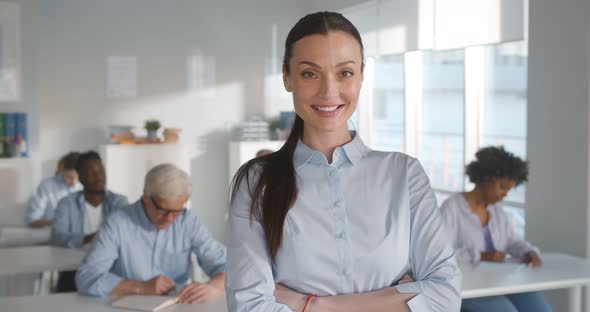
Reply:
x=167, y=182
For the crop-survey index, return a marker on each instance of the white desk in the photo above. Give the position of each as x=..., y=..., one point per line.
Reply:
x=35, y=259
x=14, y=236
x=558, y=271
x=74, y=302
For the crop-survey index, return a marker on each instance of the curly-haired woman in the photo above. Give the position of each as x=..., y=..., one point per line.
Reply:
x=481, y=230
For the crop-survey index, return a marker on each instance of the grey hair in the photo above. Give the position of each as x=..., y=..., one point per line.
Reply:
x=167, y=182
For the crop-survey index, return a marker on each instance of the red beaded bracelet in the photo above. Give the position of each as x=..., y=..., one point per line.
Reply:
x=307, y=301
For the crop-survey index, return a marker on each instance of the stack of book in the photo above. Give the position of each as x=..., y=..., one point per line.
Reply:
x=121, y=135
x=13, y=131
x=251, y=131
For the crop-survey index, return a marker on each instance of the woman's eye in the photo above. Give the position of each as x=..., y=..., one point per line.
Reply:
x=346, y=74
x=308, y=75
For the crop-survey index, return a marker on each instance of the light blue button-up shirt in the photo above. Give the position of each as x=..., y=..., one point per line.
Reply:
x=129, y=246
x=467, y=236
x=48, y=194
x=68, y=224
x=358, y=225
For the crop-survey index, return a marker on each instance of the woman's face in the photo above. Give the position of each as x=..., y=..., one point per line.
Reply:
x=496, y=189
x=325, y=79
x=70, y=177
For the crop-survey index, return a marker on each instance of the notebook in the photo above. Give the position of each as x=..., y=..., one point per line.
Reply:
x=144, y=303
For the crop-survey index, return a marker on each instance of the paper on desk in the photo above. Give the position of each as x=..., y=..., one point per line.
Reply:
x=144, y=303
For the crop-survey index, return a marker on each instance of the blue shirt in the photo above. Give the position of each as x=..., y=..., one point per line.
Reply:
x=357, y=225
x=68, y=224
x=45, y=199
x=129, y=246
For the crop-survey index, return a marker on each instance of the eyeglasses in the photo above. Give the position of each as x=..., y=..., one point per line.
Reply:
x=164, y=211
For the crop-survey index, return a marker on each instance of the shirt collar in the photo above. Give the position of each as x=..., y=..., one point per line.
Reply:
x=144, y=220
x=81, y=200
x=465, y=207
x=351, y=152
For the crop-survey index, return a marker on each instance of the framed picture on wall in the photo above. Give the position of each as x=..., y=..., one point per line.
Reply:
x=10, y=61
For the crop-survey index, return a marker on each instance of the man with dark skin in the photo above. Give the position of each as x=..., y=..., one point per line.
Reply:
x=79, y=216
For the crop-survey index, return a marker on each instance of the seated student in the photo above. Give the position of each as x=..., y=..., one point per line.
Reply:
x=481, y=231
x=79, y=215
x=146, y=248
x=51, y=190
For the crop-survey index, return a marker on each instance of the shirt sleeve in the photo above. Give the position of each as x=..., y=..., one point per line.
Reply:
x=448, y=211
x=61, y=231
x=432, y=260
x=514, y=246
x=38, y=204
x=94, y=277
x=249, y=282
x=210, y=253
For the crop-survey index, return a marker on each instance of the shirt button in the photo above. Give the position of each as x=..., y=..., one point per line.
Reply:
x=337, y=203
x=340, y=235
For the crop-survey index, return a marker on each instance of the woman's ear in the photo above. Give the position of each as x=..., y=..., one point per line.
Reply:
x=286, y=80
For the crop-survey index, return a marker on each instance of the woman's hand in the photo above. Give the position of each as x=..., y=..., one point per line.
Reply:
x=294, y=300
x=407, y=278
x=493, y=256
x=532, y=259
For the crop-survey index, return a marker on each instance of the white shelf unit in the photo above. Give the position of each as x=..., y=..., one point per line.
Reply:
x=16, y=188
x=127, y=165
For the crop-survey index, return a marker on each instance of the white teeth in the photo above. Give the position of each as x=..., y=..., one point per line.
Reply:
x=327, y=108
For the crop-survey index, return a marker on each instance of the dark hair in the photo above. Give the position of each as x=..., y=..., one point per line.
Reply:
x=495, y=162
x=275, y=191
x=67, y=162
x=84, y=158
x=319, y=23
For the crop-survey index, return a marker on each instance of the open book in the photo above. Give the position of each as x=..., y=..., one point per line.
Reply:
x=144, y=303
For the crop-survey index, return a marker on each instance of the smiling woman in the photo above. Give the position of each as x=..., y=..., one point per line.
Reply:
x=325, y=223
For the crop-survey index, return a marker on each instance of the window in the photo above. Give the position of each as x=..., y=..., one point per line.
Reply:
x=504, y=105
x=442, y=106
x=441, y=147
x=503, y=112
x=388, y=103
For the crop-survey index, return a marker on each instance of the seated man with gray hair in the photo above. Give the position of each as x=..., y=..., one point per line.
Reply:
x=145, y=249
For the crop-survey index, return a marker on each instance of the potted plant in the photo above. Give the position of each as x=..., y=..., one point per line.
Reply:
x=152, y=126
x=171, y=135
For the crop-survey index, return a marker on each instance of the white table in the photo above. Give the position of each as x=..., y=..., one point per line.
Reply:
x=558, y=271
x=14, y=236
x=36, y=259
x=74, y=302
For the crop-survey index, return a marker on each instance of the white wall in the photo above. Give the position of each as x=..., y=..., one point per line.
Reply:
x=558, y=128
x=76, y=37
x=331, y=5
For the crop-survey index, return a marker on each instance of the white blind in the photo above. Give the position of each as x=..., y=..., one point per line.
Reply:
x=463, y=23
x=398, y=26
